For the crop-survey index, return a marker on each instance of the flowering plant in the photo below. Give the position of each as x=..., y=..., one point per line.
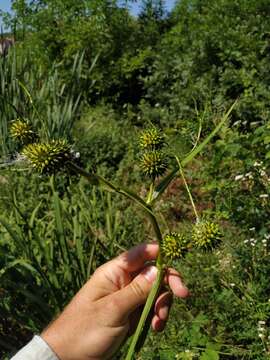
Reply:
x=57, y=155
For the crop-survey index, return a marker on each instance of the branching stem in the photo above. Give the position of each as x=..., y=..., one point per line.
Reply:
x=187, y=188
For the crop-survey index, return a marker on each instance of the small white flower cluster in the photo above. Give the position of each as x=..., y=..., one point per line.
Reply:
x=264, y=335
x=265, y=240
x=264, y=199
x=251, y=241
x=244, y=177
x=258, y=164
x=262, y=171
x=263, y=196
x=259, y=168
x=261, y=329
x=257, y=174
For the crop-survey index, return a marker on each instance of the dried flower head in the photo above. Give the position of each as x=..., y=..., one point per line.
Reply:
x=151, y=139
x=48, y=157
x=174, y=246
x=153, y=163
x=22, y=131
x=206, y=235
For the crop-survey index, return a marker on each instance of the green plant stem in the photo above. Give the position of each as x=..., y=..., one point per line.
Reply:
x=150, y=193
x=139, y=337
x=98, y=180
x=187, y=188
x=146, y=310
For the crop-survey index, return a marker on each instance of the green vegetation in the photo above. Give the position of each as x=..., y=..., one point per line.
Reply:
x=91, y=75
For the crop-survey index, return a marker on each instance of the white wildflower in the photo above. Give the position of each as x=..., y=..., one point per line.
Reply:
x=239, y=177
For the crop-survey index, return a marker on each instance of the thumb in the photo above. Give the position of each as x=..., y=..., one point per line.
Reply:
x=136, y=292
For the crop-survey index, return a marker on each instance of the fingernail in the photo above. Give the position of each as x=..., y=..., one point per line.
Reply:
x=150, y=273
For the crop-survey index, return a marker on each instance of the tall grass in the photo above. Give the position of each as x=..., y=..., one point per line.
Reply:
x=53, y=246
x=44, y=98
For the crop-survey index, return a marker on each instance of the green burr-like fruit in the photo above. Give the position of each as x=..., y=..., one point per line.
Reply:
x=206, y=235
x=49, y=157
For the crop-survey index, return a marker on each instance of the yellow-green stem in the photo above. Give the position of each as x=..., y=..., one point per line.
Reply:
x=146, y=310
x=150, y=193
x=187, y=188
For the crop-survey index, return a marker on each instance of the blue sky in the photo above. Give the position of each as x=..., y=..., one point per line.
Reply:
x=6, y=4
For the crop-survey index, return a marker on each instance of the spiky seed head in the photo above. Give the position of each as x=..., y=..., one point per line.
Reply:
x=151, y=139
x=153, y=163
x=174, y=246
x=48, y=158
x=206, y=235
x=22, y=131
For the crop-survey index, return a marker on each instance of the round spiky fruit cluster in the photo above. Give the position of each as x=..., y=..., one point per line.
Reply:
x=48, y=158
x=151, y=139
x=153, y=163
x=22, y=131
x=174, y=246
x=206, y=235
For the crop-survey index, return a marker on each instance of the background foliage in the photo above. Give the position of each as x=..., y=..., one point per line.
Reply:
x=92, y=73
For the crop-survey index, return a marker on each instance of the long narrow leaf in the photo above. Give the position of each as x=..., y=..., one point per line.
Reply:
x=167, y=180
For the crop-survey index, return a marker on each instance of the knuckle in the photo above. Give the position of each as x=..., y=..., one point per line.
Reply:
x=137, y=289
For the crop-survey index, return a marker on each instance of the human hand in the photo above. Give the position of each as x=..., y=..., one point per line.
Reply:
x=105, y=311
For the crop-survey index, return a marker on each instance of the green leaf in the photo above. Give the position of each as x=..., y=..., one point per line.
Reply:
x=166, y=181
x=15, y=264
x=166, y=355
x=209, y=354
x=267, y=156
x=17, y=239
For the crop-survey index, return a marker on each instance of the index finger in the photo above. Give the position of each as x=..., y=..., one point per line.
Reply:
x=175, y=282
x=136, y=257
x=116, y=274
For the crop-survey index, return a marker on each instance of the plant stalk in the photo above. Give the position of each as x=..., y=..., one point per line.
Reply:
x=187, y=188
x=150, y=194
x=146, y=310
